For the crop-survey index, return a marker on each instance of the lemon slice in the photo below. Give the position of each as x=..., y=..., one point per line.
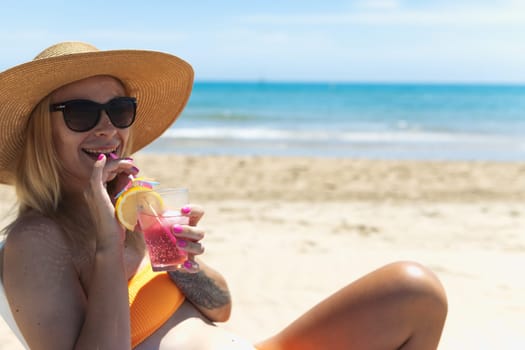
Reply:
x=134, y=199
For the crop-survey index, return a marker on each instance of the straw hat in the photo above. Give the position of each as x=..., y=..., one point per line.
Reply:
x=161, y=83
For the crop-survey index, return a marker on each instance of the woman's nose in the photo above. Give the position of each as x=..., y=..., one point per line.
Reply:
x=104, y=126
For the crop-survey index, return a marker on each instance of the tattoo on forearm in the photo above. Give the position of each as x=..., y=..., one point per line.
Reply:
x=200, y=289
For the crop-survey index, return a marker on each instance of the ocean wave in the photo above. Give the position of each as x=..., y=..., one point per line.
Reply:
x=333, y=136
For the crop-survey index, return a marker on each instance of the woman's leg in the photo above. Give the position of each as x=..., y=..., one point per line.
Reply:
x=400, y=306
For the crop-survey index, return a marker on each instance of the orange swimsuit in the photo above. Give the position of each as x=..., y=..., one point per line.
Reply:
x=153, y=298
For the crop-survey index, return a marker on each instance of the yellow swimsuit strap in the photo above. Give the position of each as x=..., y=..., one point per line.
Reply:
x=153, y=298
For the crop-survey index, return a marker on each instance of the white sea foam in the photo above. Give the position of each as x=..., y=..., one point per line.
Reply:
x=334, y=143
x=260, y=134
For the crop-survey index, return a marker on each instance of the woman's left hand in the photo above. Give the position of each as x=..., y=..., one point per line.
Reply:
x=189, y=236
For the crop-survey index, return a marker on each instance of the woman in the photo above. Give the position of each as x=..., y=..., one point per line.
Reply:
x=74, y=277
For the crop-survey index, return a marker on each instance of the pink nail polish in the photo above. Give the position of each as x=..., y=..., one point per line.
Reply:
x=100, y=156
x=177, y=228
x=185, y=210
x=188, y=264
x=113, y=155
x=134, y=168
x=182, y=243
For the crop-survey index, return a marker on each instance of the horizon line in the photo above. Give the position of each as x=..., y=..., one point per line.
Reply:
x=360, y=82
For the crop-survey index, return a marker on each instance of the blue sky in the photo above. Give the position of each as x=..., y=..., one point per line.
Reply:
x=323, y=40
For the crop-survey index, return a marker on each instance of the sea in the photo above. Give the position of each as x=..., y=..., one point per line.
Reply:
x=351, y=120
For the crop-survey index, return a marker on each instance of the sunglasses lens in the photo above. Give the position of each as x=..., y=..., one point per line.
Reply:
x=121, y=111
x=81, y=115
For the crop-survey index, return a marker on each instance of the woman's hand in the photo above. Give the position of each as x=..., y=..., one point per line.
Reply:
x=189, y=236
x=100, y=202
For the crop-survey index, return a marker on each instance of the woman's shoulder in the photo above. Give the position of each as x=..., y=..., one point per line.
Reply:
x=38, y=232
x=32, y=222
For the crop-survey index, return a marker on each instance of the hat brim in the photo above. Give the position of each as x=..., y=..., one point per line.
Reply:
x=161, y=82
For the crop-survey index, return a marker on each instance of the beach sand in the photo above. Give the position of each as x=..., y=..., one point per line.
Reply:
x=287, y=232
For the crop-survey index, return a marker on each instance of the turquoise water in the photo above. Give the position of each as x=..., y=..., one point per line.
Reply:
x=388, y=121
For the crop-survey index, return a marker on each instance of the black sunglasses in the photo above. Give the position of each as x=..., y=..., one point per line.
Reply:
x=84, y=115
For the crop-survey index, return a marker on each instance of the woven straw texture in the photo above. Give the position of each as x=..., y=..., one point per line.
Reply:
x=161, y=83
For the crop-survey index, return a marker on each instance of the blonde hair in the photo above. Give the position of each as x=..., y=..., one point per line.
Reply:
x=38, y=170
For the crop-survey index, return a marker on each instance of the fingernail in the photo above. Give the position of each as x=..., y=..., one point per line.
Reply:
x=177, y=228
x=181, y=243
x=185, y=210
x=128, y=158
x=191, y=266
x=113, y=155
x=100, y=156
x=135, y=169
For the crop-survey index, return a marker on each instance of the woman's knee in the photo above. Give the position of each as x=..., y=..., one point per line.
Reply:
x=417, y=283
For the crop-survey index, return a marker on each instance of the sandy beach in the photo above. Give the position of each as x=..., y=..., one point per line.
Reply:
x=286, y=232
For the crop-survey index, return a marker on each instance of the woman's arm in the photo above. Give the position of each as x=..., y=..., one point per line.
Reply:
x=207, y=290
x=107, y=303
x=108, y=288
x=203, y=286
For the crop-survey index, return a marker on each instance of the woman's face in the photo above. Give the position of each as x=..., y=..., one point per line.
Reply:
x=78, y=151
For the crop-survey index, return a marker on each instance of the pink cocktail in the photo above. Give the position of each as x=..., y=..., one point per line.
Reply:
x=162, y=246
x=157, y=212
